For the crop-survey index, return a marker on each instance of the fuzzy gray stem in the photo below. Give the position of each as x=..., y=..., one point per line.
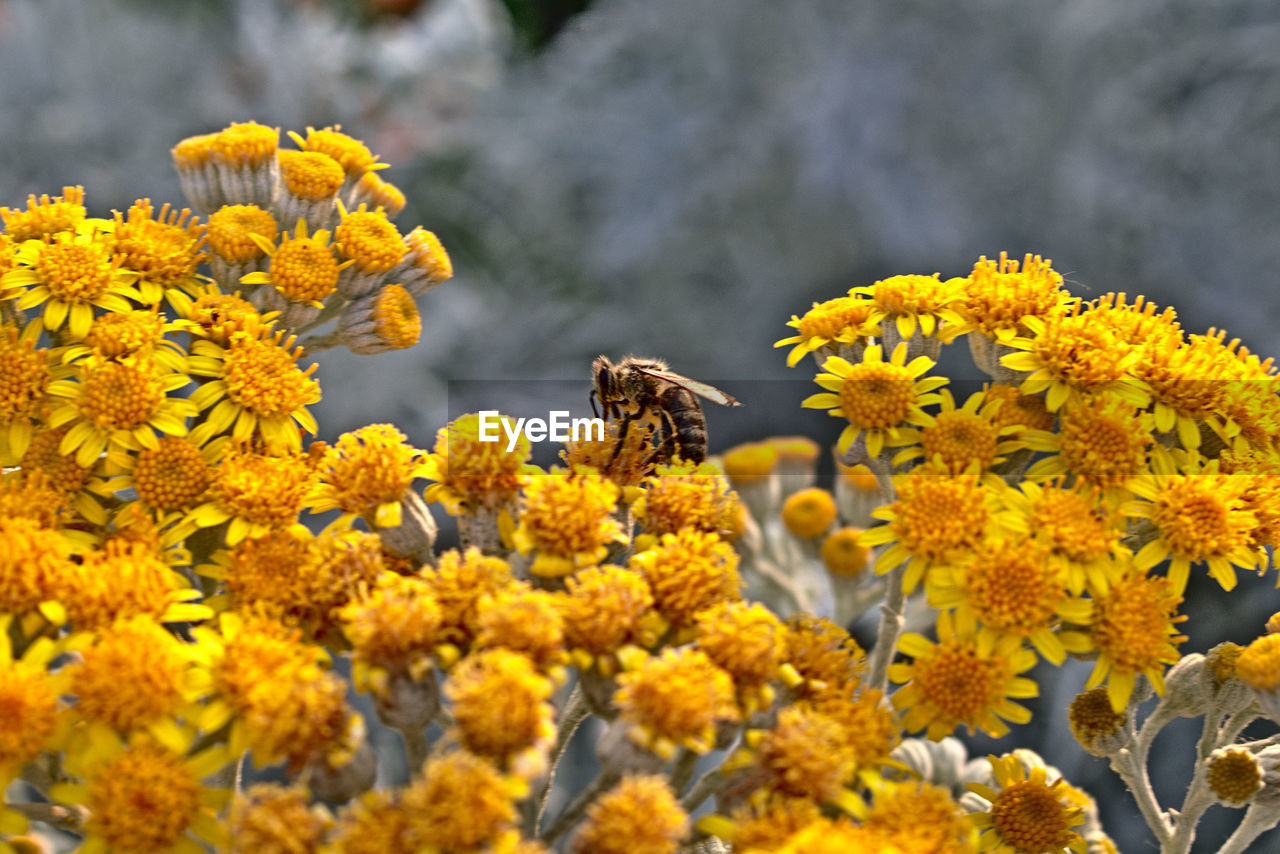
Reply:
x=570, y=815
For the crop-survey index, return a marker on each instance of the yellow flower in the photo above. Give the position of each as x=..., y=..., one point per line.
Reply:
x=804, y=755
x=809, y=513
x=45, y=216
x=1200, y=516
x=604, y=609
x=69, y=274
x=917, y=816
x=1071, y=355
x=750, y=644
x=139, y=333
x=270, y=817
x=937, y=518
x=844, y=320
x=163, y=248
x=640, y=815
x=1027, y=814
x=1024, y=411
x=460, y=803
x=32, y=562
x=1098, y=727
x=171, y=478
x=458, y=581
x=1234, y=775
x=1134, y=631
x=303, y=268
x=218, y=316
x=230, y=235
x=368, y=240
x=1259, y=668
x=352, y=154
x=568, y=519
x=525, y=620
x=968, y=438
x=688, y=572
x=368, y=473
x=685, y=496
x=1081, y=530
x=843, y=553
x=676, y=699
x=28, y=703
x=914, y=300
x=123, y=579
x=255, y=388
x=822, y=653
x=999, y=296
x=765, y=824
x=964, y=679
x=473, y=473
x=386, y=319
x=394, y=626
x=878, y=398
x=1011, y=588
x=1104, y=441
x=374, y=190
x=309, y=176
x=499, y=704
x=749, y=463
x=375, y=823
x=426, y=263
x=24, y=381
x=256, y=492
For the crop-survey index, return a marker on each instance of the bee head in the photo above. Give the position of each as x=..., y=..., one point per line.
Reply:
x=602, y=374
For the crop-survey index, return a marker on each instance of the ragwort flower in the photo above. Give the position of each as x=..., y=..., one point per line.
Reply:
x=843, y=320
x=676, y=699
x=44, y=215
x=163, y=248
x=1027, y=814
x=640, y=815
x=568, y=519
x=368, y=472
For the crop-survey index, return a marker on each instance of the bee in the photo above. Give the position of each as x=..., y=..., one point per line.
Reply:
x=645, y=392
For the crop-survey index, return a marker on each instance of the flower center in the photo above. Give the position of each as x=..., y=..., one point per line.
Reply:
x=172, y=475
x=75, y=272
x=960, y=682
x=230, y=227
x=369, y=238
x=304, y=269
x=310, y=175
x=960, y=438
x=396, y=317
x=143, y=801
x=261, y=376
x=877, y=395
x=121, y=396
x=1031, y=818
x=23, y=377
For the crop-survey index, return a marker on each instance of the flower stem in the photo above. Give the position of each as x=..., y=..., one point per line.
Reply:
x=570, y=815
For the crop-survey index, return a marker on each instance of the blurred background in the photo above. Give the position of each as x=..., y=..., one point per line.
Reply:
x=678, y=177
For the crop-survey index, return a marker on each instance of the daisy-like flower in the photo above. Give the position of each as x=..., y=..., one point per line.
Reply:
x=1071, y=355
x=367, y=473
x=688, y=572
x=1249, y=405
x=937, y=518
x=843, y=553
x=685, y=496
x=604, y=609
x=831, y=325
x=474, y=474
x=368, y=240
x=1134, y=629
x=1026, y=813
x=69, y=274
x=146, y=797
x=749, y=643
x=256, y=492
x=352, y=155
x=24, y=381
x=1081, y=531
x=1098, y=727
x=965, y=438
x=914, y=301
x=33, y=561
x=460, y=803
x=1234, y=775
x=122, y=579
x=676, y=699
x=28, y=705
x=255, y=387
x=962, y=679
x=228, y=237
x=244, y=163
x=164, y=248
x=878, y=398
x=1259, y=469
x=384, y=320
x=218, y=316
x=1200, y=517
x=998, y=296
x=763, y=823
x=803, y=755
x=140, y=333
x=302, y=273
x=822, y=654
x=118, y=406
x=45, y=216
x=870, y=728
x=271, y=817
x=525, y=620
x=393, y=629
x=458, y=581
x=375, y=823
x=916, y=816
x=1104, y=441
x=568, y=520
x=640, y=815
x=1010, y=587
x=170, y=479
x=373, y=189
x=82, y=486
x=500, y=707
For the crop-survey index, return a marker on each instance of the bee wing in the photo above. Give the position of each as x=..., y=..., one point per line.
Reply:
x=710, y=392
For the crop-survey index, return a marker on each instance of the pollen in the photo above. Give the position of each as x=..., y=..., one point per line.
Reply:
x=370, y=239
x=460, y=803
x=1093, y=722
x=747, y=641
x=121, y=395
x=32, y=559
x=62, y=471
x=842, y=553
x=45, y=216
x=604, y=609
x=677, y=698
x=640, y=815
x=568, y=518
x=878, y=395
x=304, y=268
x=499, y=703
x=1066, y=520
x=219, y=317
x=171, y=476
x=1234, y=775
x=1202, y=516
x=163, y=247
x=75, y=271
x=120, y=334
x=28, y=714
x=1078, y=349
x=369, y=467
x=936, y=517
x=310, y=175
x=270, y=817
x=140, y=654
x=263, y=376
x=805, y=755
x=32, y=494
x=809, y=513
x=143, y=800
x=396, y=322
x=229, y=230
x=1104, y=441
x=688, y=572
x=244, y=144
x=24, y=376
x=1012, y=587
x=685, y=496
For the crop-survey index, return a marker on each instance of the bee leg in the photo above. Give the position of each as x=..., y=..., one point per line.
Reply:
x=667, y=446
x=622, y=440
